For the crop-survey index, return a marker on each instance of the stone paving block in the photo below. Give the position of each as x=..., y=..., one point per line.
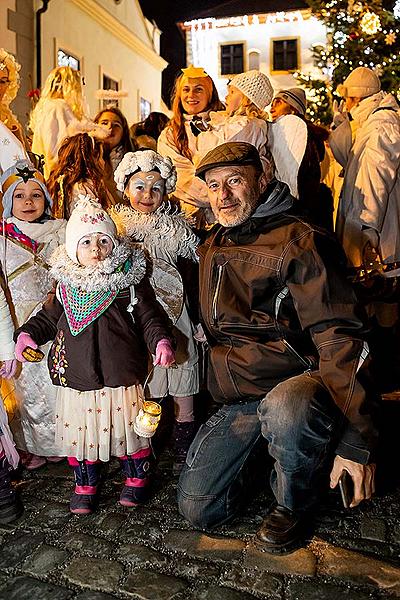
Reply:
x=18, y=547
x=395, y=534
x=300, y=562
x=149, y=585
x=317, y=590
x=53, y=516
x=373, y=529
x=110, y=523
x=44, y=559
x=94, y=573
x=256, y=581
x=356, y=568
x=87, y=595
x=27, y=588
x=200, y=545
x=140, y=531
x=192, y=569
x=139, y=555
x=214, y=592
x=82, y=542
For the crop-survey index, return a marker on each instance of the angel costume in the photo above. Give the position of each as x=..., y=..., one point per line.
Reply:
x=24, y=250
x=167, y=238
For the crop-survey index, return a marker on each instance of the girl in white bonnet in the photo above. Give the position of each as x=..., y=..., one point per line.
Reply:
x=146, y=178
x=103, y=317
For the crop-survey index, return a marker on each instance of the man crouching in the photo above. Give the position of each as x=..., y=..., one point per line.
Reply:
x=286, y=350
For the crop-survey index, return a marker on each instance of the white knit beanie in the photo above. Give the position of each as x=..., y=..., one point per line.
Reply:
x=295, y=97
x=361, y=83
x=254, y=85
x=87, y=217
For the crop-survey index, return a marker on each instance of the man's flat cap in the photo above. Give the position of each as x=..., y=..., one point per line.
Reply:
x=229, y=154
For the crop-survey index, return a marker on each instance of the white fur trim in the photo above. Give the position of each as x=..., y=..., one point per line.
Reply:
x=145, y=160
x=165, y=227
x=101, y=276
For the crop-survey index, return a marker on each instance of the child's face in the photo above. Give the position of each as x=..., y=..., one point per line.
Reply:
x=279, y=108
x=146, y=191
x=93, y=248
x=233, y=99
x=28, y=201
x=114, y=126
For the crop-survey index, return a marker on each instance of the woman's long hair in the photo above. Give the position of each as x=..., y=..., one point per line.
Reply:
x=61, y=82
x=177, y=123
x=126, y=140
x=78, y=162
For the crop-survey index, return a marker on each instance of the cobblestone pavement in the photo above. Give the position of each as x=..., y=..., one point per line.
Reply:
x=151, y=553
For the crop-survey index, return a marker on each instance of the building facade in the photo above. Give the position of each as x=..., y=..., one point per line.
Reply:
x=109, y=41
x=278, y=44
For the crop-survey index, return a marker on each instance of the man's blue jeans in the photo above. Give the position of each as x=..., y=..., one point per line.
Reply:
x=298, y=419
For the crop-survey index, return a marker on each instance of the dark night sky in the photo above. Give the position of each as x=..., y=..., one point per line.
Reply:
x=166, y=13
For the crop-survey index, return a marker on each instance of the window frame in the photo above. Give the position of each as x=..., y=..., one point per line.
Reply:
x=298, y=55
x=231, y=43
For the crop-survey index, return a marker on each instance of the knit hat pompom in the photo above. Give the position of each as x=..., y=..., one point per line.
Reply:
x=87, y=217
x=254, y=85
x=145, y=161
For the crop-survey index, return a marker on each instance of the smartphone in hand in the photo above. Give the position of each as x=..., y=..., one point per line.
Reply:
x=346, y=487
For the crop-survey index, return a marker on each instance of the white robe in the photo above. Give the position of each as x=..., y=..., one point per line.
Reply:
x=31, y=395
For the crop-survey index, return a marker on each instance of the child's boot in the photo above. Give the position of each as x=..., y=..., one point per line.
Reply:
x=87, y=475
x=183, y=435
x=136, y=468
x=11, y=507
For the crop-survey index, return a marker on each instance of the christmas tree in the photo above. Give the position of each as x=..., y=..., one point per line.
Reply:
x=358, y=34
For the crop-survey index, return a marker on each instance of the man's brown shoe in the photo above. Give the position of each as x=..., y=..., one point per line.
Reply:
x=281, y=531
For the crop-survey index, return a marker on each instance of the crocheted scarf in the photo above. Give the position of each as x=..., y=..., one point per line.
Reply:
x=82, y=308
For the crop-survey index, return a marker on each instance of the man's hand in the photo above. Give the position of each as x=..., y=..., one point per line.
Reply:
x=363, y=477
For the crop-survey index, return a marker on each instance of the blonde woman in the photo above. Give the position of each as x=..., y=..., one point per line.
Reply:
x=58, y=114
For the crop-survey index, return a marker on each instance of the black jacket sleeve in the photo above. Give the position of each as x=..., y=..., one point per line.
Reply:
x=150, y=316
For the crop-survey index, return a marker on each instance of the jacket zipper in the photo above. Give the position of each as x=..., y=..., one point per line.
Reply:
x=303, y=361
x=215, y=296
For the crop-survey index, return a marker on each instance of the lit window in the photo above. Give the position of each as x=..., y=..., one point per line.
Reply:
x=144, y=109
x=110, y=84
x=285, y=55
x=232, y=59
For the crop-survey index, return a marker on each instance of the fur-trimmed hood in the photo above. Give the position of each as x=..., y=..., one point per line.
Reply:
x=166, y=227
x=108, y=274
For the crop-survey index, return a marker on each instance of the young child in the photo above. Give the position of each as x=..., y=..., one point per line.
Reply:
x=10, y=505
x=102, y=316
x=146, y=178
x=244, y=119
x=28, y=236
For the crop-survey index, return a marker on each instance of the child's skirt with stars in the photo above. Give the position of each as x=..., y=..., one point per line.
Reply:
x=98, y=424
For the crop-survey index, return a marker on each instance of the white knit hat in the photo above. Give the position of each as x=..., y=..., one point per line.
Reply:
x=361, y=83
x=145, y=161
x=87, y=217
x=295, y=97
x=254, y=85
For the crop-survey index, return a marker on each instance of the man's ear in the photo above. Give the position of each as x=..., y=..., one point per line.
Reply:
x=262, y=183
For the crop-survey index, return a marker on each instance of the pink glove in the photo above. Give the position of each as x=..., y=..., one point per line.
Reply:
x=165, y=355
x=23, y=340
x=8, y=368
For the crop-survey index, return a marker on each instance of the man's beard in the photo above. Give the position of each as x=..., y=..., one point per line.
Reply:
x=240, y=214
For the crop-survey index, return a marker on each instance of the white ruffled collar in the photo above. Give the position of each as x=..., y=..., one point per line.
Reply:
x=166, y=228
x=103, y=276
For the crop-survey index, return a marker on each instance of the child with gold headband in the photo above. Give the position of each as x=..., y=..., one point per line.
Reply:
x=28, y=235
